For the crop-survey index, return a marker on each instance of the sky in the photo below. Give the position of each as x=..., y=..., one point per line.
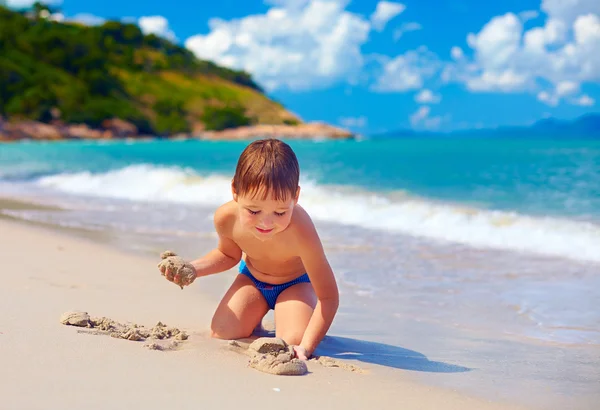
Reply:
x=379, y=66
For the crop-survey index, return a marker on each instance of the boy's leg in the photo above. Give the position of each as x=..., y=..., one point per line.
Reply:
x=293, y=311
x=240, y=311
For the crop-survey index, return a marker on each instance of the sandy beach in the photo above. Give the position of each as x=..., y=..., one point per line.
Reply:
x=49, y=365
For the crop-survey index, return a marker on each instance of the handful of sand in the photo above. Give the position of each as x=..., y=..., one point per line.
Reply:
x=175, y=267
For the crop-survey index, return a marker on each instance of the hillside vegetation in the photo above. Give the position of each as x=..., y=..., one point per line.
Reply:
x=87, y=74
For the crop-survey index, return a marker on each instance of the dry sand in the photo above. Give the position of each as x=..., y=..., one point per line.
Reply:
x=47, y=365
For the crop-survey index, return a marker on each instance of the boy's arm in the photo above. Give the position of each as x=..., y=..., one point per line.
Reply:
x=227, y=254
x=323, y=282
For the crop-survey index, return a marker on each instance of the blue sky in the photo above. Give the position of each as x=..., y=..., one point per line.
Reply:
x=377, y=66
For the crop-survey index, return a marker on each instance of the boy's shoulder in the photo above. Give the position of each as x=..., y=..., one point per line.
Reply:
x=225, y=217
x=302, y=223
x=304, y=233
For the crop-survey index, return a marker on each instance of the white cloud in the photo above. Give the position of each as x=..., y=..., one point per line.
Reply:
x=528, y=15
x=584, y=101
x=561, y=90
x=506, y=81
x=568, y=10
x=551, y=60
x=384, y=12
x=421, y=119
x=157, y=25
x=406, y=28
x=21, y=4
x=353, y=122
x=566, y=88
x=426, y=96
x=498, y=42
x=293, y=4
x=314, y=46
x=419, y=115
x=456, y=53
x=548, y=98
x=408, y=71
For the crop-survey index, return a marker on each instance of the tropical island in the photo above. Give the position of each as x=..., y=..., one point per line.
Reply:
x=66, y=80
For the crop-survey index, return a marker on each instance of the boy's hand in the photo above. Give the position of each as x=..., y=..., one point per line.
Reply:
x=301, y=353
x=176, y=270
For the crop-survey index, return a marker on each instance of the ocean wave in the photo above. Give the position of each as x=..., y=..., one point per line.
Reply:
x=397, y=213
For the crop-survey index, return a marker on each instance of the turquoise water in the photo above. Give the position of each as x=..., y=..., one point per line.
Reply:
x=560, y=178
x=427, y=230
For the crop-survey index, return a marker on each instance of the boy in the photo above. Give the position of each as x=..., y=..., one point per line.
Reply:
x=285, y=267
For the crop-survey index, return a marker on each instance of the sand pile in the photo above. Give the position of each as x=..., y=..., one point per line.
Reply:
x=273, y=355
x=159, y=337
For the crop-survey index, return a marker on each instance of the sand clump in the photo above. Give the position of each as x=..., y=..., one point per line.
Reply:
x=172, y=265
x=158, y=337
x=273, y=355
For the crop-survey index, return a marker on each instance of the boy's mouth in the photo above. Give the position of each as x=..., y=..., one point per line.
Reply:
x=263, y=230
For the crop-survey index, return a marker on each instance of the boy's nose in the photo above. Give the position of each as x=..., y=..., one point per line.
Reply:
x=267, y=222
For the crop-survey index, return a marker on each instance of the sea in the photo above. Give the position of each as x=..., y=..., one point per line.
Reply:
x=428, y=237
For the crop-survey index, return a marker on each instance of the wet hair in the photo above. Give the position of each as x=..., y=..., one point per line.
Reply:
x=267, y=167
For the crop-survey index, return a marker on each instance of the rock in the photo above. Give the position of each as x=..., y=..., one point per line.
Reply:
x=75, y=318
x=300, y=131
x=82, y=131
x=28, y=130
x=120, y=128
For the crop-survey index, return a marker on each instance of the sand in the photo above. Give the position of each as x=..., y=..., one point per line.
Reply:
x=172, y=266
x=159, y=337
x=45, y=364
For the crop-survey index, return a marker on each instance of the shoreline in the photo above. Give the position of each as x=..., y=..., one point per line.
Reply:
x=117, y=129
x=200, y=372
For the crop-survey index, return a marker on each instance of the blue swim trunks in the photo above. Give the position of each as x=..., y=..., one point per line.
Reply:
x=271, y=292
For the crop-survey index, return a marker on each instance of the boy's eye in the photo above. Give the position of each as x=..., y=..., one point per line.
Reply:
x=253, y=212
x=280, y=213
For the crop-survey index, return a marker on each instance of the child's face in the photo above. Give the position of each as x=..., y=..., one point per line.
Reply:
x=265, y=217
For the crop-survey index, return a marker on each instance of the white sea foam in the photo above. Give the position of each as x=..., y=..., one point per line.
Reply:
x=405, y=214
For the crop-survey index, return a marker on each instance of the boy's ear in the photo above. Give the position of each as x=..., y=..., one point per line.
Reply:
x=297, y=195
x=233, y=193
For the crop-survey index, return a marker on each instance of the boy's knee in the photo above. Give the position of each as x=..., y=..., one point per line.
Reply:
x=216, y=335
x=226, y=334
x=217, y=332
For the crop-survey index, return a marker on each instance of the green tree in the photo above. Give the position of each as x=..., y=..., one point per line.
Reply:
x=170, y=117
x=112, y=70
x=221, y=118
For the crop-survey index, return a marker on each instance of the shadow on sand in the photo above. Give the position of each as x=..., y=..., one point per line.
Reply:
x=385, y=355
